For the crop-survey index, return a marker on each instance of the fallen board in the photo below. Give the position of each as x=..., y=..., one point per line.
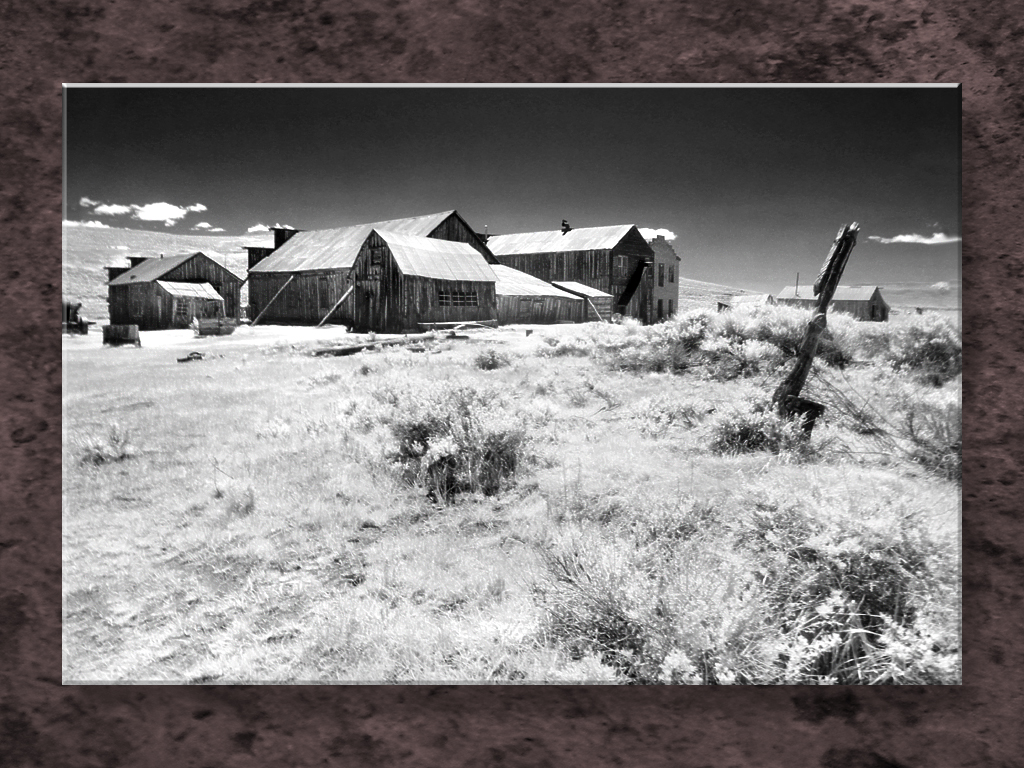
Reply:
x=351, y=349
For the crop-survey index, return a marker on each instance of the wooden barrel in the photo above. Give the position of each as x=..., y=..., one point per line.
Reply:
x=121, y=334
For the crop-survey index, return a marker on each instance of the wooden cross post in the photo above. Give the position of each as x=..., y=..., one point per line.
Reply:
x=786, y=400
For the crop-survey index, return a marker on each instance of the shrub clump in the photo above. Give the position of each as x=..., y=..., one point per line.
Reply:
x=456, y=439
x=491, y=359
x=113, y=447
x=757, y=428
x=932, y=346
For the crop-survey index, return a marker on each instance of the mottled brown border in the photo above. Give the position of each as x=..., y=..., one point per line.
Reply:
x=485, y=40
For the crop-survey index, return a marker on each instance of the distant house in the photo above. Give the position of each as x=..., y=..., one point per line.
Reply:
x=746, y=300
x=663, y=278
x=308, y=272
x=864, y=302
x=525, y=299
x=614, y=260
x=161, y=293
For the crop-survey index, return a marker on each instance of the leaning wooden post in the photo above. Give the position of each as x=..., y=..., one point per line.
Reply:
x=273, y=299
x=336, y=305
x=786, y=400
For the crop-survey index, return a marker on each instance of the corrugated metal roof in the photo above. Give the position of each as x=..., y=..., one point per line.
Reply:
x=317, y=249
x=843, y=293
x=437, y=259
x=150, y=269
x=583, y=239
x=512, y=282
x=190, y=290
x=581, y=289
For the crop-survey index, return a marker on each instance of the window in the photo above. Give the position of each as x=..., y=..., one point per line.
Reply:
x=447, y=298
x=672, y=274
x=660, y=314
x=661, y=275
x=670, y=310
x=376, y=257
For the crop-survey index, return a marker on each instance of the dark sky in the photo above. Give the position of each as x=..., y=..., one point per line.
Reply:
x=754, y=182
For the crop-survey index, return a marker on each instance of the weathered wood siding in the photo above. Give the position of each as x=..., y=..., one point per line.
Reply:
x=305, y=301
x=540, y=310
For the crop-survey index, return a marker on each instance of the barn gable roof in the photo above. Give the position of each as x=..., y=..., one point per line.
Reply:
x=438, y=259
x=843, y=293
x=583, y=239
x=317, y=249
x=153, y=268
x=512, y=282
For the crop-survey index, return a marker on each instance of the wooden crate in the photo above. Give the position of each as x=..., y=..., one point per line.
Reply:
x=116, y=335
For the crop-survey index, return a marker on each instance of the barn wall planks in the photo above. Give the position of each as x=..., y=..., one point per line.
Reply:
x=454, y=229
x=539, y=310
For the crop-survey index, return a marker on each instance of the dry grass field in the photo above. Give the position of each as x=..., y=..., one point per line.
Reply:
x=594, y=503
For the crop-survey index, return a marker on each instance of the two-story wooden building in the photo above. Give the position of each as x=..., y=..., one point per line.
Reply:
x=614, y=260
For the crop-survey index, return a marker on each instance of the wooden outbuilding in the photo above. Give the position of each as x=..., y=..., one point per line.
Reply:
x=161, y=293
x=525, y=299
x=746, y=300
x=597, y=305
x=613, y=260
x=309, y=272
x=864, y=302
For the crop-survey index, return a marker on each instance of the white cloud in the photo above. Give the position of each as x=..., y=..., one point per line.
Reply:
x=203, y=225
x=283, y=226
x=217, y=229
x=650, y=234
x=166, y=212
x=258, y=228
x=112, y=210
x=93, y=224
x=941, y=287
x=936, y=238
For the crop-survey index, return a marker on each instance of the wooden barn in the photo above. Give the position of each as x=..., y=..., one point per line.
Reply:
x=614, y=260
x=864, y=302
x=525, y=299
x=161, y=293
x=597, y=305
x=315, y=268
x=394, y=283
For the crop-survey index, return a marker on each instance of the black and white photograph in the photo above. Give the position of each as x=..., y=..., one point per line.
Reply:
x=526, y=385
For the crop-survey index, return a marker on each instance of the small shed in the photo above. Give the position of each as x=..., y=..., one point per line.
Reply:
x=864, y=302
x=161, y=293
x=615, y=260
x=597, y=305
x=523, y=298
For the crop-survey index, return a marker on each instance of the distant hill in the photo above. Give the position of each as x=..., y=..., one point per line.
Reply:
x=696, y=294
x=87, y=252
